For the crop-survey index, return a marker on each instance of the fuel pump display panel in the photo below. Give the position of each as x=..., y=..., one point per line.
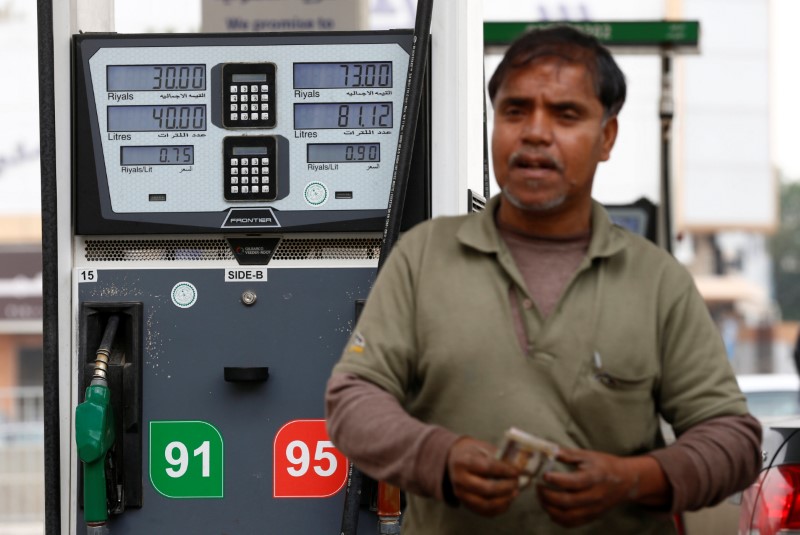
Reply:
x=161, y=123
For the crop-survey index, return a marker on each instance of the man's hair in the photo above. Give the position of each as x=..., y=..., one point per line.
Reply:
x=572, y=46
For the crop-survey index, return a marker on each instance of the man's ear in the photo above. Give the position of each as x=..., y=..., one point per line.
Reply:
x=609, y=137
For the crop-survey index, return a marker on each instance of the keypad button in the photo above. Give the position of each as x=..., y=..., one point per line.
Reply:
x=234, y=107
x=255, y=189
x=245, y=98
x=245, y=117
x=245, y=170
x=245, y=161
x=234, y=179
x=234, y=98
x=264, y=116
x=255, y=180
x=265, y=189
x=254, y=88
x=264, y=88
x=265, y=170
x=254, y=170
x=245, y=189
x=245, y=180
x=234, y=189
x=243, y=89
x=264, y=107
x=234, y=161
x=265, y=180
x=234, y=89
x=245, y=107
x=264, y=161
x=234, y=116
x=234, y=170
x=264, y=97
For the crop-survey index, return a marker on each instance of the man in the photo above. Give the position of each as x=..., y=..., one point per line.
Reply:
x=540, y=314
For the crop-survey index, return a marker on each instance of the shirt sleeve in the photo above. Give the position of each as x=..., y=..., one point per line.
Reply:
x=697, y=382
x=371, y=428
x=711, y=461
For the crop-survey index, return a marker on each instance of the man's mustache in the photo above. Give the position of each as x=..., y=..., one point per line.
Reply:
x=527, y=157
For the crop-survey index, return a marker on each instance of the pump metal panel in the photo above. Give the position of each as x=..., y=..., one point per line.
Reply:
x=297, y=327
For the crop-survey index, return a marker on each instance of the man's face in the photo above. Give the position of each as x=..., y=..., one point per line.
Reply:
x=549, y=134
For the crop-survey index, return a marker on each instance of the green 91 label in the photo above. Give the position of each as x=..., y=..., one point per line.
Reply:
x=186, y=459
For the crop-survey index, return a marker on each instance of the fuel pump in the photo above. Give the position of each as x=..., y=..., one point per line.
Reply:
x=230, y=192
x=222, y=203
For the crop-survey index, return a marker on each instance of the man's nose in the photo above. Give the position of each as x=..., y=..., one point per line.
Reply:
x=538, y=129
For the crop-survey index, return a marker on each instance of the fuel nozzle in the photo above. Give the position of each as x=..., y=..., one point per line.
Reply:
x=94, y=434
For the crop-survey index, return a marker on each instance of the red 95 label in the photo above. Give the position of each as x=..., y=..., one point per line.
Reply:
x=305, y=462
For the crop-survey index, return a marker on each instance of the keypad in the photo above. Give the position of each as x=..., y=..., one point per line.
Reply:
x=250, y=164
x=249, y=93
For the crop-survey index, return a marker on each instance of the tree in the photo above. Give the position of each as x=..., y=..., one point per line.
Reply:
x=784, y=246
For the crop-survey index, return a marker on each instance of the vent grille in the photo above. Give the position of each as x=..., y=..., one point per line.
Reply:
x=215, y=249
x=328, y=249
x=152, y=250
x=475, y=201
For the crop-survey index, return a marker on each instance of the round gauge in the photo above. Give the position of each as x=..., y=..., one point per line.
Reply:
x=316, y=193
x=184, y=294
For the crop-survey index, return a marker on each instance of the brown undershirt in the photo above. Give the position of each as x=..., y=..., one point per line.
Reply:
x=546, y=266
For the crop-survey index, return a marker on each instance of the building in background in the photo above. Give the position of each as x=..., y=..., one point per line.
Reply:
x=20, y=201
x=21, y=408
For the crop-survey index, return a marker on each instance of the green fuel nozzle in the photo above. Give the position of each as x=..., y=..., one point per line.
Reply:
x=94, y=432
x=94, y=435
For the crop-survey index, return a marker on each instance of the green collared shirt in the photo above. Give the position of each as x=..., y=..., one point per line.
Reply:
x=629, y=339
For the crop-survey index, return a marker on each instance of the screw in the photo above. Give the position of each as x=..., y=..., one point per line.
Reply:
x=248, y=297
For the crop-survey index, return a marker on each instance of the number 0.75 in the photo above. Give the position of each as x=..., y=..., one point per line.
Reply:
x=181, y=461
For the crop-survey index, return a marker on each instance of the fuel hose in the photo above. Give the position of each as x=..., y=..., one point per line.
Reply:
x=412, y=102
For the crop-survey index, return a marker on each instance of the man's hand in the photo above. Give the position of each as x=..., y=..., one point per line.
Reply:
x=599, y=483
x=481, y=483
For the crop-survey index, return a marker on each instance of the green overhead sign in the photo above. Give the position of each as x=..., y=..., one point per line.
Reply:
x=634, y=34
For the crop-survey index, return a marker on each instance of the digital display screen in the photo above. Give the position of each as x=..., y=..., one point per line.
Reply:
x=629, y=219
x=156, y=118
x=343, y=115
x=157, y=155
x=341, y=75
x=249, y=77
x=248, y=151
x=344, y=152
x=156, y=77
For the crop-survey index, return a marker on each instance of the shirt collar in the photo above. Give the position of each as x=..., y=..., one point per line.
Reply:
x=480, y=232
